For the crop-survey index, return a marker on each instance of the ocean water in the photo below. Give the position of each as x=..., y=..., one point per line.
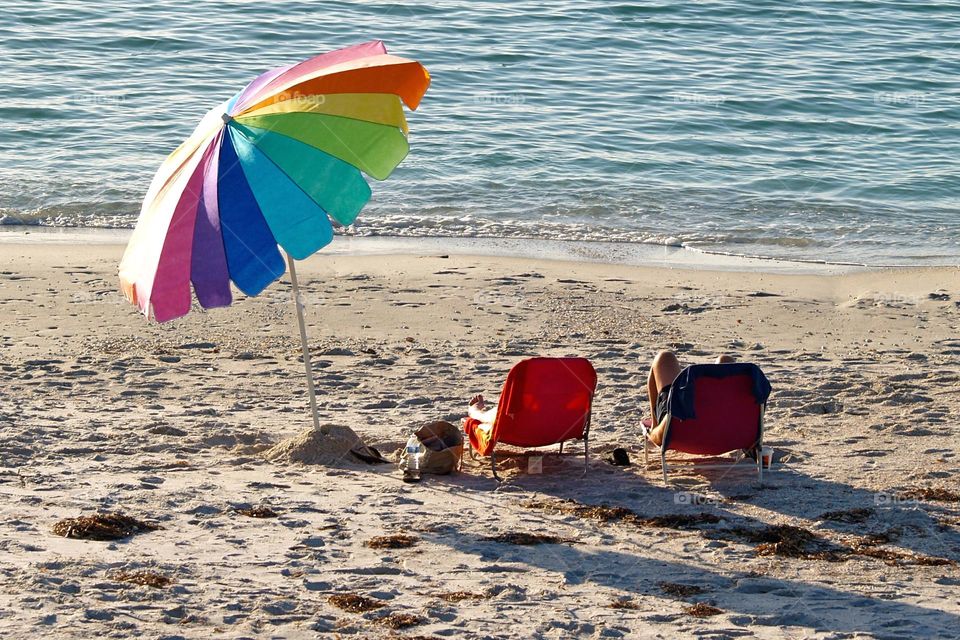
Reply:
x=824, y=130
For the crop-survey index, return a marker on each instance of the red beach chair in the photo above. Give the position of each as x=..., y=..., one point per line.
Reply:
x=714, y=409
x=544, y=401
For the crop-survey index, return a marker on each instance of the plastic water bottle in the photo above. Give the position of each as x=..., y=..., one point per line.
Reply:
x=414, y=450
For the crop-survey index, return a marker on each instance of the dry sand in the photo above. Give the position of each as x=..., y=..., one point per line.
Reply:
x=102, y=410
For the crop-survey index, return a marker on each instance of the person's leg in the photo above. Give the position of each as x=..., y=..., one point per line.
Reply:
x=663, y=371
x=652, y=394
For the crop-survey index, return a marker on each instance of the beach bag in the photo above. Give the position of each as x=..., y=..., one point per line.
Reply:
x=443, y=448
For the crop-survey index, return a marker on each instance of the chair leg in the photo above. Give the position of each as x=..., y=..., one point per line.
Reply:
x=760, y=464
x=586, y=453
x=663, y=464
x=646, y=453
x=561, y=449
x=493, y=466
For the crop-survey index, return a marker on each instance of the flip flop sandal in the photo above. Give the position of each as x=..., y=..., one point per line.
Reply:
x=619, y=458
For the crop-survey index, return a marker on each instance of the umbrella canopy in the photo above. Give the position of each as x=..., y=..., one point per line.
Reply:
x=270, y=166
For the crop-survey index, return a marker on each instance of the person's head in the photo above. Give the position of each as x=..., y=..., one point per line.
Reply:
x=725, y=359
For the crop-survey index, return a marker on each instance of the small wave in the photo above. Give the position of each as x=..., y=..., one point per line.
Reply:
x=772, y=242
x=68, y=218
x=669, y=241
x=757, y=256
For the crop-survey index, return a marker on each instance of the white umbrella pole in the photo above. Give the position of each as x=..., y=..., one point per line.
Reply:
x=303, y=340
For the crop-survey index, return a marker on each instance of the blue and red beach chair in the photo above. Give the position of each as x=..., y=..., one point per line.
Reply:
x=714, y=409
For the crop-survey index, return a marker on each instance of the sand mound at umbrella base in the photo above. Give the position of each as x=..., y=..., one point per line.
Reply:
x=329, y=446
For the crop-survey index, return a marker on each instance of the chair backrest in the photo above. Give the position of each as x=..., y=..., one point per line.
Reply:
x=545, y=401
x=717, y=408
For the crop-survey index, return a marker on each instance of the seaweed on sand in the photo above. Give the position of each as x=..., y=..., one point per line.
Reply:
x=602, y=512
x=608, y=513
x=868, y=548
x=258, y=512
x=399, y=620
x=701, y=610
x=460, y=596
x=397, y=541
x=795, y=542
x=882, y=537
x=938, y=494
x=680, y=520
x=102, y=526
x=930, y=561
x=849, y=516
x=679, y=590
x=786, y=541
x=143, y=578
x=526, y=539
x=354, y=602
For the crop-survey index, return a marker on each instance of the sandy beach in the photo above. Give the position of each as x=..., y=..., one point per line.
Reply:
x=102, y=410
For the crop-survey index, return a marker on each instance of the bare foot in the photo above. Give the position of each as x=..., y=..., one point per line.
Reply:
x=477, y=400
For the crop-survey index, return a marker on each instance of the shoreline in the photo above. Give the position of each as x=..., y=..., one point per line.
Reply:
x=580, y=251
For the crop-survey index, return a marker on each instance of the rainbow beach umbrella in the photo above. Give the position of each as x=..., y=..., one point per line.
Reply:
x=270, y=166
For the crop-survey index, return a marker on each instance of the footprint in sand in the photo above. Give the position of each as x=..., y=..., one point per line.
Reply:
x=821, y=408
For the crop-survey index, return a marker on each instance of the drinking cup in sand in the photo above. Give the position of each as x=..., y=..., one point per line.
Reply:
x=766, y=455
